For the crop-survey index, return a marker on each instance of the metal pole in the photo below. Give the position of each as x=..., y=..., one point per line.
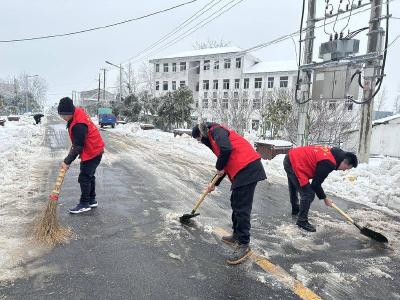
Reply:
x=120, y=83
x=98, y=91
x=302, y=130
x=372, y=69
x=104, y=85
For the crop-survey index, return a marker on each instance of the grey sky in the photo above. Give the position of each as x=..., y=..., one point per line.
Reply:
x=73, y=63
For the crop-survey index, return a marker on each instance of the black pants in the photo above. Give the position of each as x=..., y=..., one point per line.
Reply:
x=87, y=180
x=307, y=194
x=242, y=202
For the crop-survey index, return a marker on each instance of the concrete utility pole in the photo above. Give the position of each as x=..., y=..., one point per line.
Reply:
x=372, y=70
x=104, y=84
x=120, y=83
x=302, y=130
x=98, y=91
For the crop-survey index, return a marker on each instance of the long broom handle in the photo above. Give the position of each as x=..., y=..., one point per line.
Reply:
x=204, y=194
x=57, y=187
x=346, y=216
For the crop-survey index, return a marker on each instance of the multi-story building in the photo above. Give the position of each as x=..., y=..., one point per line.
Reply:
x=219, y=77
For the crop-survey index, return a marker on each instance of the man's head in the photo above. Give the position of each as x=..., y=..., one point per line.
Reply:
x=200, y=131
x=66, y=108
x=350, y=161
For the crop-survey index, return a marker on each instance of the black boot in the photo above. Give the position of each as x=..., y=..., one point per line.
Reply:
x=241, y=253
x=306, y=226
x=230, y=239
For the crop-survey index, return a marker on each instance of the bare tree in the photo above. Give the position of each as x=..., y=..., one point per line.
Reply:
x=211, y=44
x=146, y=77
x=396, y=104
x=380, y=101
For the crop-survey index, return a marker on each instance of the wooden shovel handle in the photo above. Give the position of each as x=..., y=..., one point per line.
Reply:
x=59, y=182
x=204, y=194
x=346, y=216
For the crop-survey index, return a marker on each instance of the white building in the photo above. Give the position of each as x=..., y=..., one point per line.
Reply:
x=220, y=76
x=385, y=138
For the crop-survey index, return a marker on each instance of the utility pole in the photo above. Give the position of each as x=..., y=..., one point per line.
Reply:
x=129, y=79
x=120, y=83
x=372, y=69
x=104, y=84
x=98, y=91
x=302, y=130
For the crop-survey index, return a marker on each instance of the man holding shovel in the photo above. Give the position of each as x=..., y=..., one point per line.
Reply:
x=238, y=159
x=88, y=144
x=312, y=162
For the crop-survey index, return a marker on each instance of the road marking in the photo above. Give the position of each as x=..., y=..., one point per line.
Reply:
x=281, y=275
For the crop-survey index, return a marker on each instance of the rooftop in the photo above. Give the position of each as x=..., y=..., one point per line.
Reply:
x=272, y=66
x=385, y=120
x=203, y=52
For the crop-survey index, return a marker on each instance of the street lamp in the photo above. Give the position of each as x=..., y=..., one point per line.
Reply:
x=120, y=78
x=26, y=92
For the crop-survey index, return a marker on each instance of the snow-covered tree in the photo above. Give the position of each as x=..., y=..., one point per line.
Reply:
x=211, y=44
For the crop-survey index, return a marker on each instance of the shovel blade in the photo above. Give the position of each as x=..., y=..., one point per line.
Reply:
x=186, y=217
x=374, y=235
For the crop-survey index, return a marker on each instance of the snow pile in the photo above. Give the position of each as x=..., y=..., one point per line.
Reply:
x=376, y=184
x=20, y=152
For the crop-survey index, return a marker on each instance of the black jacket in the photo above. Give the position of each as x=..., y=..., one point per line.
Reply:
x=79, y=132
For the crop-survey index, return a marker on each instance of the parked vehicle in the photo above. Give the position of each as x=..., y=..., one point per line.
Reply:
x=106, y=117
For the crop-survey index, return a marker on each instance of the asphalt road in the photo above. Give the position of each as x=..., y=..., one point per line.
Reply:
x=133, y=247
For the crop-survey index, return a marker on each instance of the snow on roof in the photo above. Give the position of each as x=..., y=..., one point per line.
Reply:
x=385, y=120
x=276, y=143
x=272, y=66
x=203, y=52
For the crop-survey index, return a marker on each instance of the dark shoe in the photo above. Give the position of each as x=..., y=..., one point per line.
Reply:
x=306, y=226
x=93, y=203
x=230, y=239
x=241, y=253
x=81, y=207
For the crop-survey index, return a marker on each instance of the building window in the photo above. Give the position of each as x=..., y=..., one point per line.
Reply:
x=270, y=82
x=182, y=66
x=157, y=85
x=173, y=67
x=165, y=86
x=255, y=124
x=235, y=103
x=246, y=83
x=216, y=65
x=206, y=84
x=225, y=103
x=283, y=81
x=214, y=102
x=225, y=94
x=165, y=67
x=236, y=95
x=173, y=85
x=215, y=84
x=157, y=68
x=215, y=94
x=227, y=63
x=245, y=94
x=237, y=84
x=349, y=105
x=206, y=65
x=257, y=94
x=238, y=63
x=205, y=95
x=197, y=103
x=256, y=104
x=205, y=103
x=332, y=104
x=226, y=84
x=197, y=86
x=182, y=83
x=257, y=83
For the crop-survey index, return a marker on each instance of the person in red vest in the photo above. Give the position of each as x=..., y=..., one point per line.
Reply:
x=86, y=143
x=237, y=159
x=303, y=164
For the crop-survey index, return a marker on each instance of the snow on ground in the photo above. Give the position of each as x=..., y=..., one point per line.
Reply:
x=20, y=151
x=376, y=184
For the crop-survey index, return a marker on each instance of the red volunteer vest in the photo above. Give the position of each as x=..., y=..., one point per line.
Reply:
x=242, y=152
x=304, y=161
x=94, y=144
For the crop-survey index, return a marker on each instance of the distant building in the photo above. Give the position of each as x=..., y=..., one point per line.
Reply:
x=385, y=139
x=86, y=98
x=220, y=77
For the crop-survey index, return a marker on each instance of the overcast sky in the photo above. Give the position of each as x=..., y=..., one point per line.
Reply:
x=72, y=63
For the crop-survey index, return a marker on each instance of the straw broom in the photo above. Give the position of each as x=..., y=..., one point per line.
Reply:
x=47, y=228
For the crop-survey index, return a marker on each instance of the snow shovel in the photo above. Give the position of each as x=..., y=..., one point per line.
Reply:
x=363, y=230
x=186, y=217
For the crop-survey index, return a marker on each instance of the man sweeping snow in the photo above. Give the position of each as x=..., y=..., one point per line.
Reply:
x=238, y=159
x=312, y=162
x=88, y=144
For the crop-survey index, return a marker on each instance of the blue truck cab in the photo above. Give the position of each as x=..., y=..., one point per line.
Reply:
x=106, y=117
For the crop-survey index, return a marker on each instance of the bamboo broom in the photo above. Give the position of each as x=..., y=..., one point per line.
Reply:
x=47, y=228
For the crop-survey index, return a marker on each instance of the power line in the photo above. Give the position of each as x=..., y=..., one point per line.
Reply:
x=99, y=27
x=175, y=30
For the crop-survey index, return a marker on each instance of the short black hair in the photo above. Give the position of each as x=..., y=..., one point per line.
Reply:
x=196, y=131
x=351, y=159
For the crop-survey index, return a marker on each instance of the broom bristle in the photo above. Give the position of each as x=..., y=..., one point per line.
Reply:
x=48, y=229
